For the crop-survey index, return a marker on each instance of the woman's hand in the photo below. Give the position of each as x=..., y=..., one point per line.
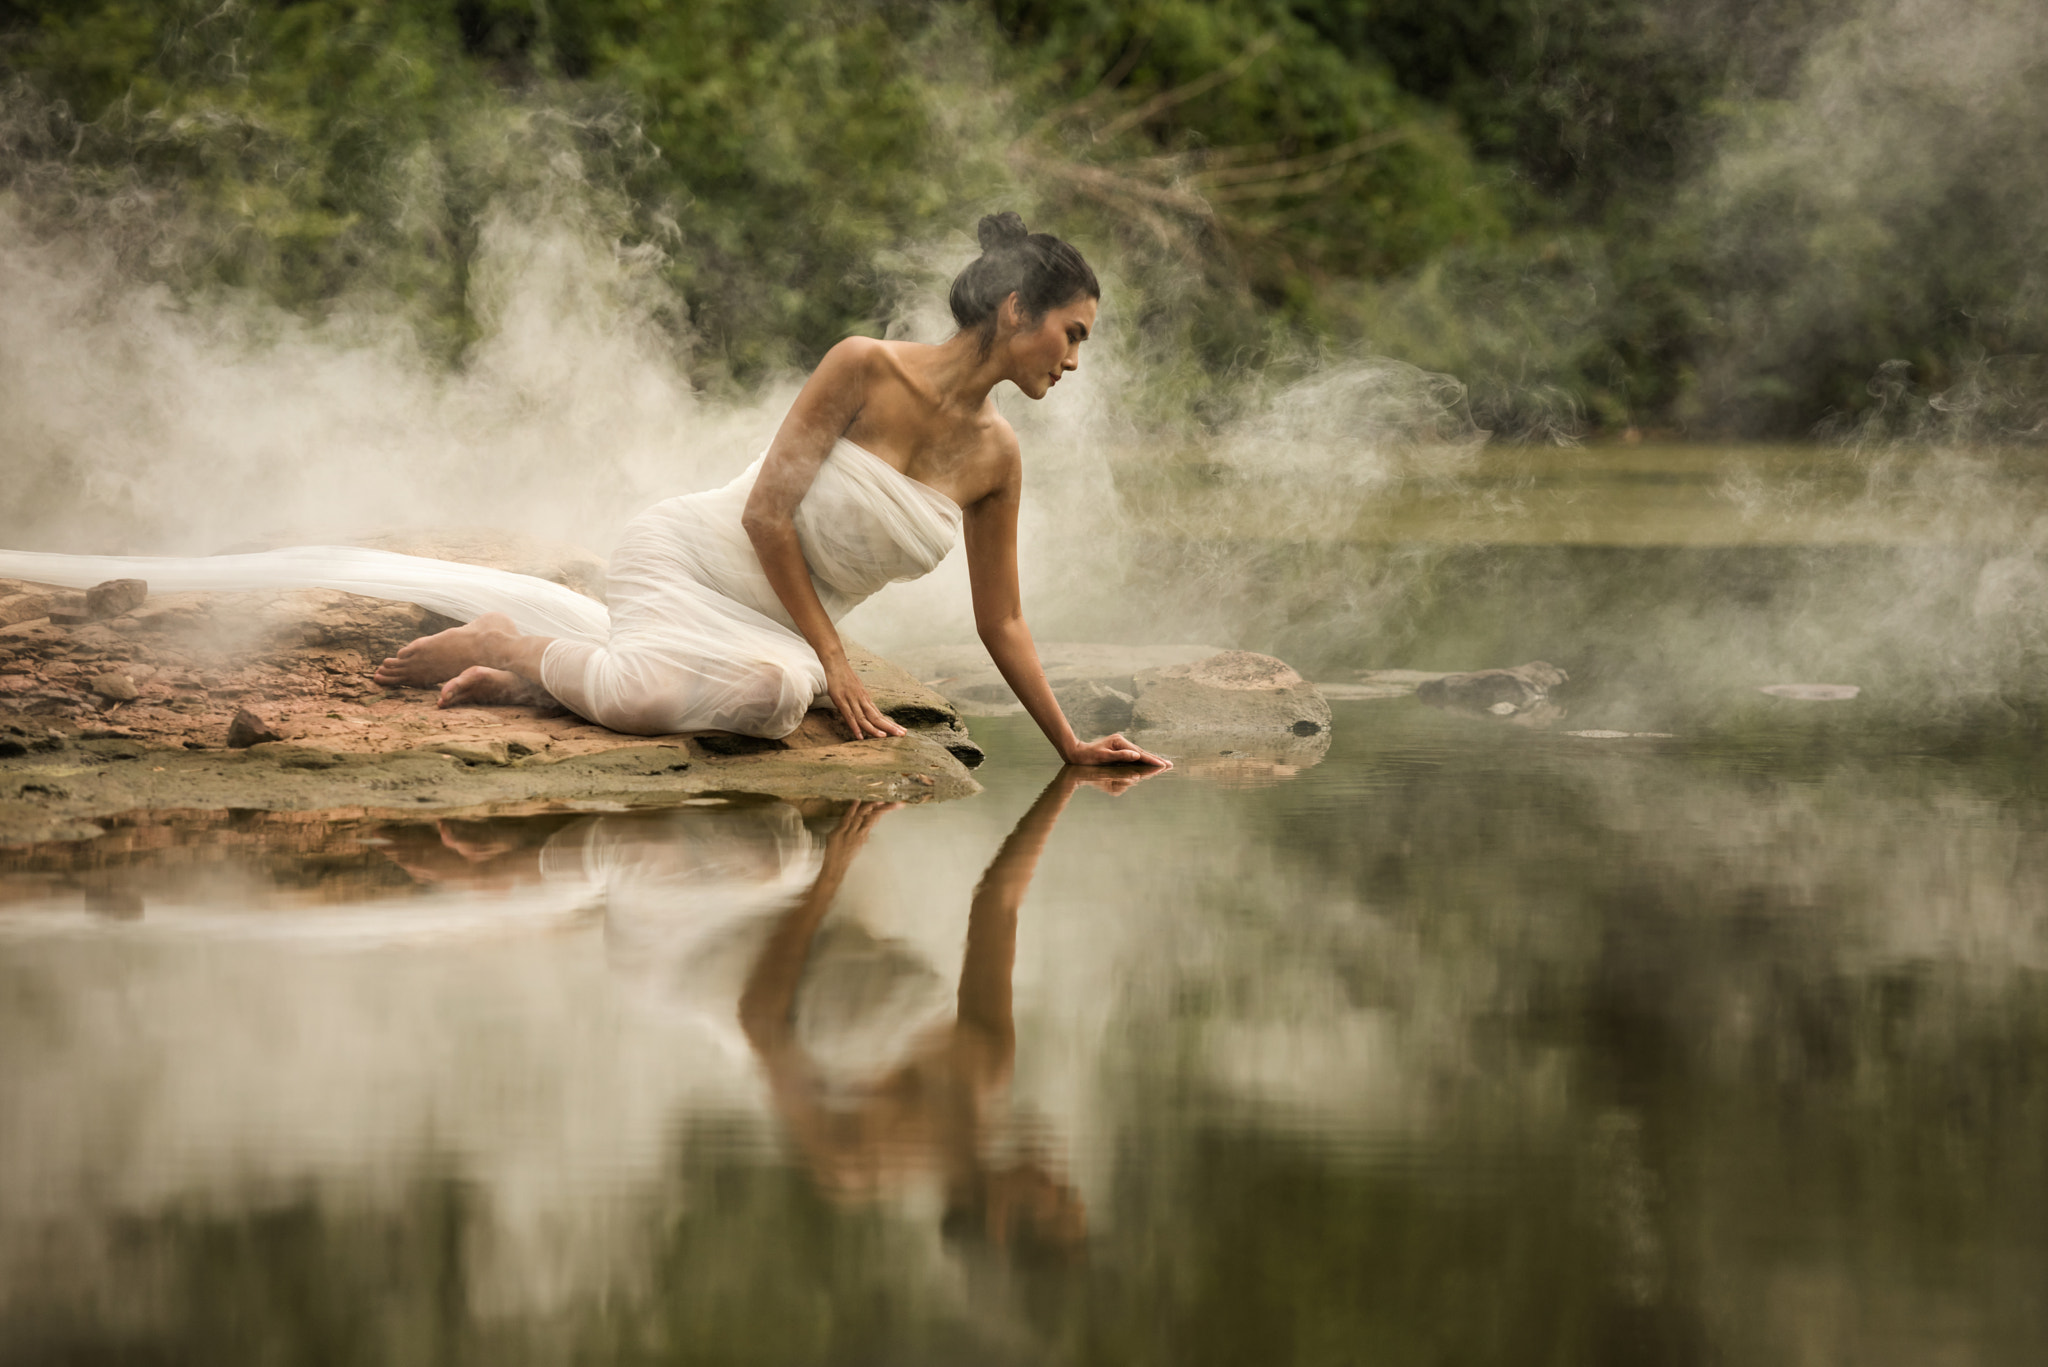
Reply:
x=1113, y=750
x=857, y=711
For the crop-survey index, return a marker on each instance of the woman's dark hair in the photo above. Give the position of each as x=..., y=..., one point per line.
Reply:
x=1041, y=270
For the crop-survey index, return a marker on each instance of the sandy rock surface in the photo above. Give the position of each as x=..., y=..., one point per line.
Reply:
x=264, y=700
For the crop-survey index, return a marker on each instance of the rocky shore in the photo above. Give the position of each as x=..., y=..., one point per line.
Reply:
x=121, y=699
x=118, y=699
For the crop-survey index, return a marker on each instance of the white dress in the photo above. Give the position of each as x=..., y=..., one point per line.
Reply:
x=694, y=637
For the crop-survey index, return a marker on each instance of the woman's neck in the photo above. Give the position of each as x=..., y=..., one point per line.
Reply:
x=962, y=374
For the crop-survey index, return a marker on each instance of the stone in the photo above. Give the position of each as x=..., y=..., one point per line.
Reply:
x=912, y=704
x=970, y=680
x=1095, y=709
x=25, y=607
x=68, y=610
x=114, y=687
x=1235, y=691
x=1522, y=689
x=114, y=597
x=249, y=728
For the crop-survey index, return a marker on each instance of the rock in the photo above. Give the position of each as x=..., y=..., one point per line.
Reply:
x=912, y=704
x=1234, y=691
x=25, y=607
x=68, y=610
x=115, y=597
x=1521, y=689
x=970, y=680
x=1094, y=709
x=114, y=687
x=249, y=728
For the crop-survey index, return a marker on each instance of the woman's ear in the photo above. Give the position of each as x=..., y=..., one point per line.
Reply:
x=1011, y=313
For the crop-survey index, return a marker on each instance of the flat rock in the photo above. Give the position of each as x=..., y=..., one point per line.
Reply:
x=1231, y=691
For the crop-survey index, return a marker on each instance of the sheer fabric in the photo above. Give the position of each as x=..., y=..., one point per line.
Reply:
x=694, y=637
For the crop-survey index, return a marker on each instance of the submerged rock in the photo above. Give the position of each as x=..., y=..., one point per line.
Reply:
x=1520, y=687
x=1520, y=695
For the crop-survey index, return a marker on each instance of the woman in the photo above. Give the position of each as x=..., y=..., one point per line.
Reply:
x=723, y=605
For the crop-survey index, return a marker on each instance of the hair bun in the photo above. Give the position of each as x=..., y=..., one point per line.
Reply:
x=1005, y=229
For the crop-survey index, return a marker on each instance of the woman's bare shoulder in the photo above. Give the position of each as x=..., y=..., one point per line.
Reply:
x=1000, y=461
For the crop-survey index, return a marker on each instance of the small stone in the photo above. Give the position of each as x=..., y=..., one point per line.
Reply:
x=115, y=597
x=250, y=728
x=114, y=687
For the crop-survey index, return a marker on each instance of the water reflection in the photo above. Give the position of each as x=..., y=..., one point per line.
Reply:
x=1711, y=1048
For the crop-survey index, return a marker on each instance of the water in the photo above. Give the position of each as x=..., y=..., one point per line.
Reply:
x=1472, y=1043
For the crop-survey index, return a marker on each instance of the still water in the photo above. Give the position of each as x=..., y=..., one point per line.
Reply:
x=1469, y=1044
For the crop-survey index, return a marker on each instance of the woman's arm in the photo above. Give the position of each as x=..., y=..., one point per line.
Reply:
x=826, y=407
x=991, y=526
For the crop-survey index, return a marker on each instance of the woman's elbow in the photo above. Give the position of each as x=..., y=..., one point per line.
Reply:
x=993, y=629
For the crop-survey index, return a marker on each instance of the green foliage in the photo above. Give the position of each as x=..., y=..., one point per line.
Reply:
x=1616, y=211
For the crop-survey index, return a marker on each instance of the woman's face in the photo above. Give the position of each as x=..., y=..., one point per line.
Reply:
x=1042, y=352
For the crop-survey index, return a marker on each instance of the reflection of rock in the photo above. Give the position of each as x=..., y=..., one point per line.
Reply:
x=1234, y=690
x=1256, y=759
x=1520, y=694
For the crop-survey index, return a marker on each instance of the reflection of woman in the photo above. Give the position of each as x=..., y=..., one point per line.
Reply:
x=939, y=1108
x=723, y=604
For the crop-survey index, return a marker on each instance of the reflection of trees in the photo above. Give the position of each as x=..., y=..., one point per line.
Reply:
x=1449, y=1050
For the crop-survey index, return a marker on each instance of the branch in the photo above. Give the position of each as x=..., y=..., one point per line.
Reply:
x=1303, y=165
x=1181, y=94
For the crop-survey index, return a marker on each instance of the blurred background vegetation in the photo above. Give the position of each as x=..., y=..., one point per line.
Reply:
x=1715, y=217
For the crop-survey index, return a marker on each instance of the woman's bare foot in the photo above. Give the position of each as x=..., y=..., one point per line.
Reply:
x=438, y=658
x=481, y=687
